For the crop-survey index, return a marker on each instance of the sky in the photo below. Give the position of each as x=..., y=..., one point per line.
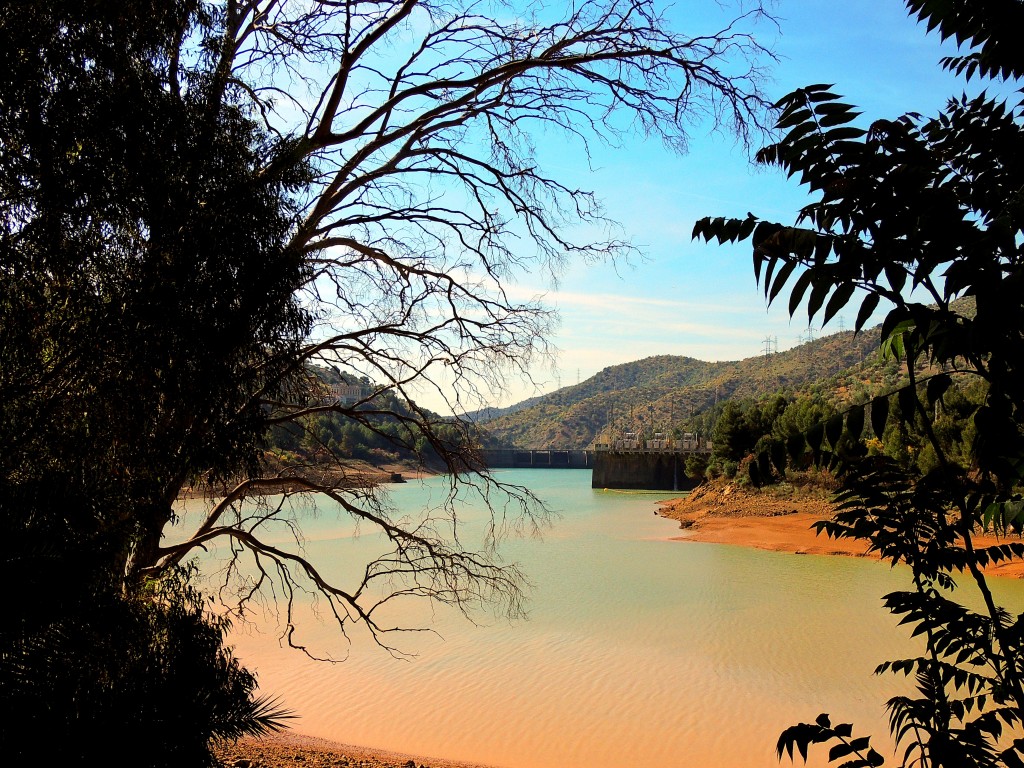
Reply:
x=701, y=300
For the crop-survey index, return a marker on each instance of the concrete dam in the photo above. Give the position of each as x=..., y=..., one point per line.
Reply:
x=658, y=467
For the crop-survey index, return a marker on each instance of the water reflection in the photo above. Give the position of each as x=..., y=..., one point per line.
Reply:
x=639, y=650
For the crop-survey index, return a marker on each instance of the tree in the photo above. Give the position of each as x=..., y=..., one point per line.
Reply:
x=137, y=322
x=202, y=199
x=932, y=205
x=424, y=193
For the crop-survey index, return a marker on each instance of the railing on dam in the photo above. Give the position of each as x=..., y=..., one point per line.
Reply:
x=697, y=445
x=505, y=458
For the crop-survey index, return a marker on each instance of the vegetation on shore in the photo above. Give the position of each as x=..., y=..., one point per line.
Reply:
x=932, y=204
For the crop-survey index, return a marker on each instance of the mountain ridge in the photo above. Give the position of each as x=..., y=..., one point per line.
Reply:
x=664, y=391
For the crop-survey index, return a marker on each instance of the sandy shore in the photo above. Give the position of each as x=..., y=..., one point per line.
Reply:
x=780, y=523
x=288, y=749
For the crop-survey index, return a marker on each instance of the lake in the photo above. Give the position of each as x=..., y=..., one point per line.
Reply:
x=639, y=650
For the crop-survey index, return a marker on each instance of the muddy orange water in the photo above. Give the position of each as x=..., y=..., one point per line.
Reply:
x=639, y=650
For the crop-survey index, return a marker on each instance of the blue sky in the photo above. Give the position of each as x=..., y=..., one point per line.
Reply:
x=689, y=298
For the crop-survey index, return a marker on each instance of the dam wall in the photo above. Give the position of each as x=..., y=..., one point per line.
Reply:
x=641, y=470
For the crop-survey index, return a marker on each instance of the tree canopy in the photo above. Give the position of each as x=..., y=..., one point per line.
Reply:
x=916, y=212
x=201, y=200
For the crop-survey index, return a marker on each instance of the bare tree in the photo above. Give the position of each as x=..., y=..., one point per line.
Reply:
x=418, y=121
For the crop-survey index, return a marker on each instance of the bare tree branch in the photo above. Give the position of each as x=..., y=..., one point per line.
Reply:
x=418, y=123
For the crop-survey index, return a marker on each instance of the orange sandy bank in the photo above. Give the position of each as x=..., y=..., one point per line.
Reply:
x=780, y=523
x=289, y=750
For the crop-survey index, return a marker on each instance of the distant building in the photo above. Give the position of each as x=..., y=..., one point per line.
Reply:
x=348, y=394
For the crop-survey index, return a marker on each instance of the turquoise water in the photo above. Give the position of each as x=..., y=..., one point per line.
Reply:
x=639, y=650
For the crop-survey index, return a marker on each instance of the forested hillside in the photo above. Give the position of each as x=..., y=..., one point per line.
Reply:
x=669, y=392
x=379, y=427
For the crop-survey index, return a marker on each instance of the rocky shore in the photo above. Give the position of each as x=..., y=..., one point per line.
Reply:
x=296, y=751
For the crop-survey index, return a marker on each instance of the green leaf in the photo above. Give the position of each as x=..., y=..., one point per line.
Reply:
x=838, y=118
x=855, y=421
x=818, y=293
x=1000, y=516
x=772, y=262
x=839, y=300
x=822, y=248
x=879, y=415
x=746, y=227
x=907, y=397
x=819, y=93
x=860, y=743
x=780, y=279
x=834, y=430
x=867, y=307
x=838, y=751
x=845, y=133
x=798, y=291
x=896, y=275
x=937, y=386
x=793, y=117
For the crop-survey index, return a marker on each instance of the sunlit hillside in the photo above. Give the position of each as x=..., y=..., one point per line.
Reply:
x=665, y=392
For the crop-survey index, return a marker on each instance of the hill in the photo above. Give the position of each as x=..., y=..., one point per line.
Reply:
x=665, y=392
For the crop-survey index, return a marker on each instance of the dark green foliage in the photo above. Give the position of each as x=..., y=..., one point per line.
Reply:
x=173, y=221
x=933, y=204
x=987, y=25
x=139, y=318
x=696, y=466
x=146, y=301
x=855, y=752
x=122, y=681
x=736, y=431
x=766, y=430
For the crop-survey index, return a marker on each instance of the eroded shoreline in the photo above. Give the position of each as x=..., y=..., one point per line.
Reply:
x=778, y=523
